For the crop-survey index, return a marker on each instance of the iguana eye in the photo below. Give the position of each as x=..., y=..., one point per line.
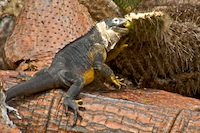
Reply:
x=115, y=20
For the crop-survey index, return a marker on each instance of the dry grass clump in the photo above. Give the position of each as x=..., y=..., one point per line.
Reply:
x=179, y=10
x=163, y=54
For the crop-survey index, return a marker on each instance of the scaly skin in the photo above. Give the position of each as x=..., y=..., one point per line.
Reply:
x=73, y=66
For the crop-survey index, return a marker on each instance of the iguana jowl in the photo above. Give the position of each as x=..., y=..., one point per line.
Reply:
x=74, y=65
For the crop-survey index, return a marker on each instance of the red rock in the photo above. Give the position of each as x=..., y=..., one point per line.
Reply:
x=127, y=110
x=42, y=29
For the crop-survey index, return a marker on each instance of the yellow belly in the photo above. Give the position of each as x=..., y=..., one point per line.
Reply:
x=88, y=76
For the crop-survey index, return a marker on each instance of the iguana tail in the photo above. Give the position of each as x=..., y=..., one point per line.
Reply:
x=37, y=84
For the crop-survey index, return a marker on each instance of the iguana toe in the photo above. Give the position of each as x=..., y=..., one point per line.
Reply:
x=80, y=103
x=117, y=81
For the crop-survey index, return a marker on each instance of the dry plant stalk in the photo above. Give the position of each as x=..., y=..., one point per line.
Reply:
x=162, y=54
x=179, y=10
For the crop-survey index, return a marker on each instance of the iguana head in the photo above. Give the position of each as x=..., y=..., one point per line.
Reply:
x=111, y=30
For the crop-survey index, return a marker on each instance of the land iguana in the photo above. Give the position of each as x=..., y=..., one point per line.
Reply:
x=74, y=66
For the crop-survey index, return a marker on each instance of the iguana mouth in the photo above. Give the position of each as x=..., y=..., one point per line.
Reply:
x=122, y=25
x=121, y=28
x=125, y=24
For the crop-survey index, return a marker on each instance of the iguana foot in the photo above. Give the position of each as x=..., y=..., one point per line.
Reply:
x=3, y=105
x=68, y=102
x=4, y=108
x=14, y=111
x=123, y=44
x=117, y=81
x=80, y=103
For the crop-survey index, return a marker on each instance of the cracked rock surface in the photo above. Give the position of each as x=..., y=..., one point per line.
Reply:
x=126, y=110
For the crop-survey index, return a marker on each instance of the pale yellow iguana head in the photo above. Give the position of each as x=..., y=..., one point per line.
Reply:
x=111, y=30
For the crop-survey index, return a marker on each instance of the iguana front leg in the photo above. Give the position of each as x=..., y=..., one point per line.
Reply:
x=116, y=51
x=108, y=73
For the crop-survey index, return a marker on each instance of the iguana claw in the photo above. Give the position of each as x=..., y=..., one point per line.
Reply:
x=79, y=103
x=15, y=112
x=75, y=105
x=117, y=81
x=123, y=44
